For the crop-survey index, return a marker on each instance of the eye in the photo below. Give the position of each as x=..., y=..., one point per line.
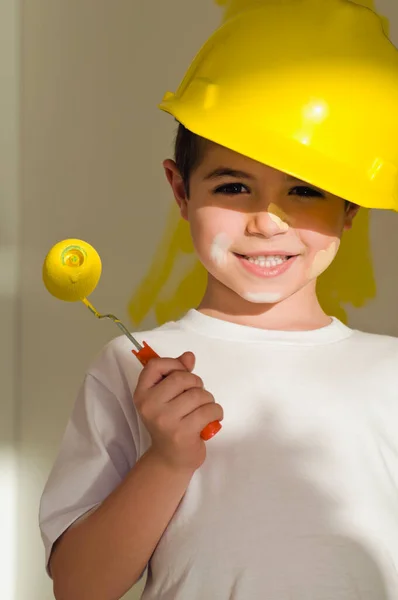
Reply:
x=231, y=189
x=304, y=191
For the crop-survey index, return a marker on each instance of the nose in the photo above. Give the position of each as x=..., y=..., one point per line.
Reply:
x=265, y=224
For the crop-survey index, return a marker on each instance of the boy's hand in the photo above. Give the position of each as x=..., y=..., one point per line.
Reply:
x=175, y=407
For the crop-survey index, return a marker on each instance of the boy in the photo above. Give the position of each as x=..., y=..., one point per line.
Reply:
x=296, y=498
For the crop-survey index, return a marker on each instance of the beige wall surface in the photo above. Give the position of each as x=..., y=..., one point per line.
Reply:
x=93, y=141
x=81, y=145
x=9, y=302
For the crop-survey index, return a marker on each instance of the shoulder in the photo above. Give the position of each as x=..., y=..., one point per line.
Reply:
x=385, y=345
x=374, y=358
x=116, y=362
x=105, y=397
x=376, y=367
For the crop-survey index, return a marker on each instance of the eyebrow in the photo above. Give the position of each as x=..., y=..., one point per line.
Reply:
x=227, y=172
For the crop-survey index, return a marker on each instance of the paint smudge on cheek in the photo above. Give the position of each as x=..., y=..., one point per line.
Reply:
x=262, y=297
x=323, y=259
x=219, y=249
x=277, y=215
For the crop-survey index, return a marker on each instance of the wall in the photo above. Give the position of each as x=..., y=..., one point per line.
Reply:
x=9, y=215
x=380, y=314
x=92, y=142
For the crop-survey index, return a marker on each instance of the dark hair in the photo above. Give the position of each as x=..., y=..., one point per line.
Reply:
x=188, y=152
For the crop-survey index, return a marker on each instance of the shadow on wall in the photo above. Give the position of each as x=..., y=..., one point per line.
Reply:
x=175, y=281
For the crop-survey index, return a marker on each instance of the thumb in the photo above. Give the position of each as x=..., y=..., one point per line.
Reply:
x=187, y=360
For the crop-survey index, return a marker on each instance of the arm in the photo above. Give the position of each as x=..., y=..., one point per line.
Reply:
x=103, y=555
x=116, y=542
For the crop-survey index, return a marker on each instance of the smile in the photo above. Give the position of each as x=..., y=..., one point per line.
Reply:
x=266, y=265
x=267, y=261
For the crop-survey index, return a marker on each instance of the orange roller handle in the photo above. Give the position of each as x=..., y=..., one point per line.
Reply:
x=144, y=356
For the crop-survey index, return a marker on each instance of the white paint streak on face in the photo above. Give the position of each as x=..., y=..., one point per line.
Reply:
x=219, y=249
x=278, y=217
x=262, y=297
x=323, y=259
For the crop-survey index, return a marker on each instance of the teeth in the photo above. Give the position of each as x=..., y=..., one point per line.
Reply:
x=267, y=261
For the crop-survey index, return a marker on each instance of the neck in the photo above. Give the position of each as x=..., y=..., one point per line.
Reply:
x=299, y=312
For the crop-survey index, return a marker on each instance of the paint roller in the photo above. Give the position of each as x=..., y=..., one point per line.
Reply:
x=71, y=272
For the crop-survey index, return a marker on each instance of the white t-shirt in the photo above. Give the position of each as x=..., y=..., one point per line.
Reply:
x=298, y=496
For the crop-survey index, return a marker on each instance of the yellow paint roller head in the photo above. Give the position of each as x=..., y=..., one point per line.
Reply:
x=72, y=270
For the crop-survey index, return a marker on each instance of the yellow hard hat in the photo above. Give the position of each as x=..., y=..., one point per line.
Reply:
x=309, y=87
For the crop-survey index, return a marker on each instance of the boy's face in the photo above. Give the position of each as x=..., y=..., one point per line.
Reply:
x=259, y=232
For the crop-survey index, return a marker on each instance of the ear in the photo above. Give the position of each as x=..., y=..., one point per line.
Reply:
x=350, y=213
x=177, y=185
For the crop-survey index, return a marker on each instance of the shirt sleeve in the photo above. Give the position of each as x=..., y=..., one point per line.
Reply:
x=98, y=450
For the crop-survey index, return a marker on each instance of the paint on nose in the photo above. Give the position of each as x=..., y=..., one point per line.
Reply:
x=277, y=215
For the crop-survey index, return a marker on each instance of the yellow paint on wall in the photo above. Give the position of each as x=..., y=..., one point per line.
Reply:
x=175, y=281
x=174, y=263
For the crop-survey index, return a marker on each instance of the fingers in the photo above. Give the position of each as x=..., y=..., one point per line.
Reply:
x=175, y=384
x=186, y=403
x=185, y=416
x=188, y=360
x=202, y=416
x=168, y=393
x=158, y=368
